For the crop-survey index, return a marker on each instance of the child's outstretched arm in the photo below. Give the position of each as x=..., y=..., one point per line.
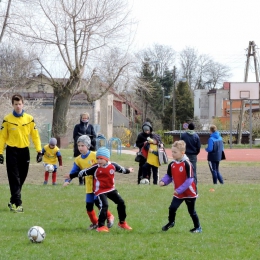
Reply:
x=122, y=169
x=167, y=178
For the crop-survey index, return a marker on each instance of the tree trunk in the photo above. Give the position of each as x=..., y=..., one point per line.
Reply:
x=61, y=105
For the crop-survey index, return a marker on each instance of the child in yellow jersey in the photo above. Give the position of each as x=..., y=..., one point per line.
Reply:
x=51, y=155
x=85, y=160
x=152, y=161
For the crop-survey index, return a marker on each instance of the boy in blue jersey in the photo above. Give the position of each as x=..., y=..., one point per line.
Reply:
x=86, y=159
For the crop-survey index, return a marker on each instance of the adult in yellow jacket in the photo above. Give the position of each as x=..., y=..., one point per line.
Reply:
x=17, y=127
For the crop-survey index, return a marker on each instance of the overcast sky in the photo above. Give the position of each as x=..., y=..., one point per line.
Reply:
x=219, y=28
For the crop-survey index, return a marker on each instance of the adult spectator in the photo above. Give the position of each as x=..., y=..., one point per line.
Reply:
x=192, y=140
x=140, y=140
x=17, y=129
x=215, y=148
x=84, y=128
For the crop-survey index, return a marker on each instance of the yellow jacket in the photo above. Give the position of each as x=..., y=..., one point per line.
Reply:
x=16, y=131
x=153, y=159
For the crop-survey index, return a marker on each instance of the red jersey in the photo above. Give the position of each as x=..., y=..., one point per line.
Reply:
x=103, y=176
x=179, y=171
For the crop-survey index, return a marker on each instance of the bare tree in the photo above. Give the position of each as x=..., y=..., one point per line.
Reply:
x=79, y=32
x=4, y=18
x=189, y=62
x=201, y=71
x=217, y=73
x=15, y=65
x=161, y=57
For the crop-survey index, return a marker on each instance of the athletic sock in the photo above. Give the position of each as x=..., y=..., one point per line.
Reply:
x=92, y=216
x=46, y=176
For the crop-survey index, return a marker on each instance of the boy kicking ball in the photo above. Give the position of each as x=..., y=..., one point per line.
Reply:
x=86, y=159
x=104, y=188
x=180, y=172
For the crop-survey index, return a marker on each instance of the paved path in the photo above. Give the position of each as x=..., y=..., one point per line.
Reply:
x=236, y=155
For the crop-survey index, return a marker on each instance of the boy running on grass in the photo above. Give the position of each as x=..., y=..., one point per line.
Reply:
x=104, y=187
x=86, y=159
x=180, y=172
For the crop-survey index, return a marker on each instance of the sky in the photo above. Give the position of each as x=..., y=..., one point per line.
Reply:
x=220, y=28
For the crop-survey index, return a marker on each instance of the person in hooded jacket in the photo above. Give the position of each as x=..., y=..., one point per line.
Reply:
x=84, y=128
x=140, y=140
x=214, y=149
x=193, y=145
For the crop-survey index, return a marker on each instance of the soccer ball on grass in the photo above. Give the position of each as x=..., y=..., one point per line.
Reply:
x=36, y=234
x=144, y=181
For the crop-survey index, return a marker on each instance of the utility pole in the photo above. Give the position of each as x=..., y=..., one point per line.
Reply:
x=173, y=98
x=251, y=52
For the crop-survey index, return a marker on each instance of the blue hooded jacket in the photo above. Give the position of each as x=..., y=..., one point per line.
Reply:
x=215, y=147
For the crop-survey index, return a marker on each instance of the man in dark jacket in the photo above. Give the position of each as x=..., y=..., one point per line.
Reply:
x=141, y=139
x=193, y=145
x=214, y=149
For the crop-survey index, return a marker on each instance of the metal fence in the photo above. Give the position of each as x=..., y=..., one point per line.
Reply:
x=45, y=133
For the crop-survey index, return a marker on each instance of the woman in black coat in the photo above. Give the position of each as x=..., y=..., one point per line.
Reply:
x=141, y=139
x=84, y=128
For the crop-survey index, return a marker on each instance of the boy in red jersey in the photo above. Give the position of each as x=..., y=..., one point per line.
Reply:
x=85, y=160
x=104, y=187
x=180, y=172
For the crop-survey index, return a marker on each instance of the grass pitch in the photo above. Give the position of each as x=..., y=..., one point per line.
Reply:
x=229, y=218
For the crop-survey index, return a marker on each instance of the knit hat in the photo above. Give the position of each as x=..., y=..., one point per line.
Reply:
x=146, y=128
x=103, y=153
x=53, y=141
x=85, y=140
x=191, y=126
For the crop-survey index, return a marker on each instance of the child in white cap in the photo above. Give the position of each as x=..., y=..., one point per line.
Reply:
x=51, y=155
x=104, y=187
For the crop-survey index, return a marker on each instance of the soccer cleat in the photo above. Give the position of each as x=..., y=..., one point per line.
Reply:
x=45, y=182
x=18, y=209
x=11, y=206
x=124, y=225
x=102, y=229
x=93, y=226
x=110, y=221
x=196, y=230
x=54, y=183
x=167, y=226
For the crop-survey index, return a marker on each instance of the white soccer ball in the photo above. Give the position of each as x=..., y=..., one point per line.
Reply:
x=49, y=167
x=36, y=234
x=144, y=181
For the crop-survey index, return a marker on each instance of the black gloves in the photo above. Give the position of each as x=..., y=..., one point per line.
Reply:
x=39, y=157
x=1, y=159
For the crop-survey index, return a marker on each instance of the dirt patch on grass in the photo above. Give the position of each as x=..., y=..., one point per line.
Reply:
x=231, y=174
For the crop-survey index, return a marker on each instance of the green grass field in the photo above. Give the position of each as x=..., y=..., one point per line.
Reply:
x=229, y=218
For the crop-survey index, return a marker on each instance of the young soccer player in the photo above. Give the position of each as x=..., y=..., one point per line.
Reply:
x=180, y=172
x=85, y=160
x=51, y=154
x=104, y=187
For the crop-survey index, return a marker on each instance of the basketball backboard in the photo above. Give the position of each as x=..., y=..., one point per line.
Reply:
x=244, y=90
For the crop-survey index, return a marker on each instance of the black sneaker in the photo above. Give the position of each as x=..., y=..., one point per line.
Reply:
x=167, y=226
x=196, y=230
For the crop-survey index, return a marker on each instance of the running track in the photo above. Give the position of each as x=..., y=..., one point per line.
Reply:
x=235, y=155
